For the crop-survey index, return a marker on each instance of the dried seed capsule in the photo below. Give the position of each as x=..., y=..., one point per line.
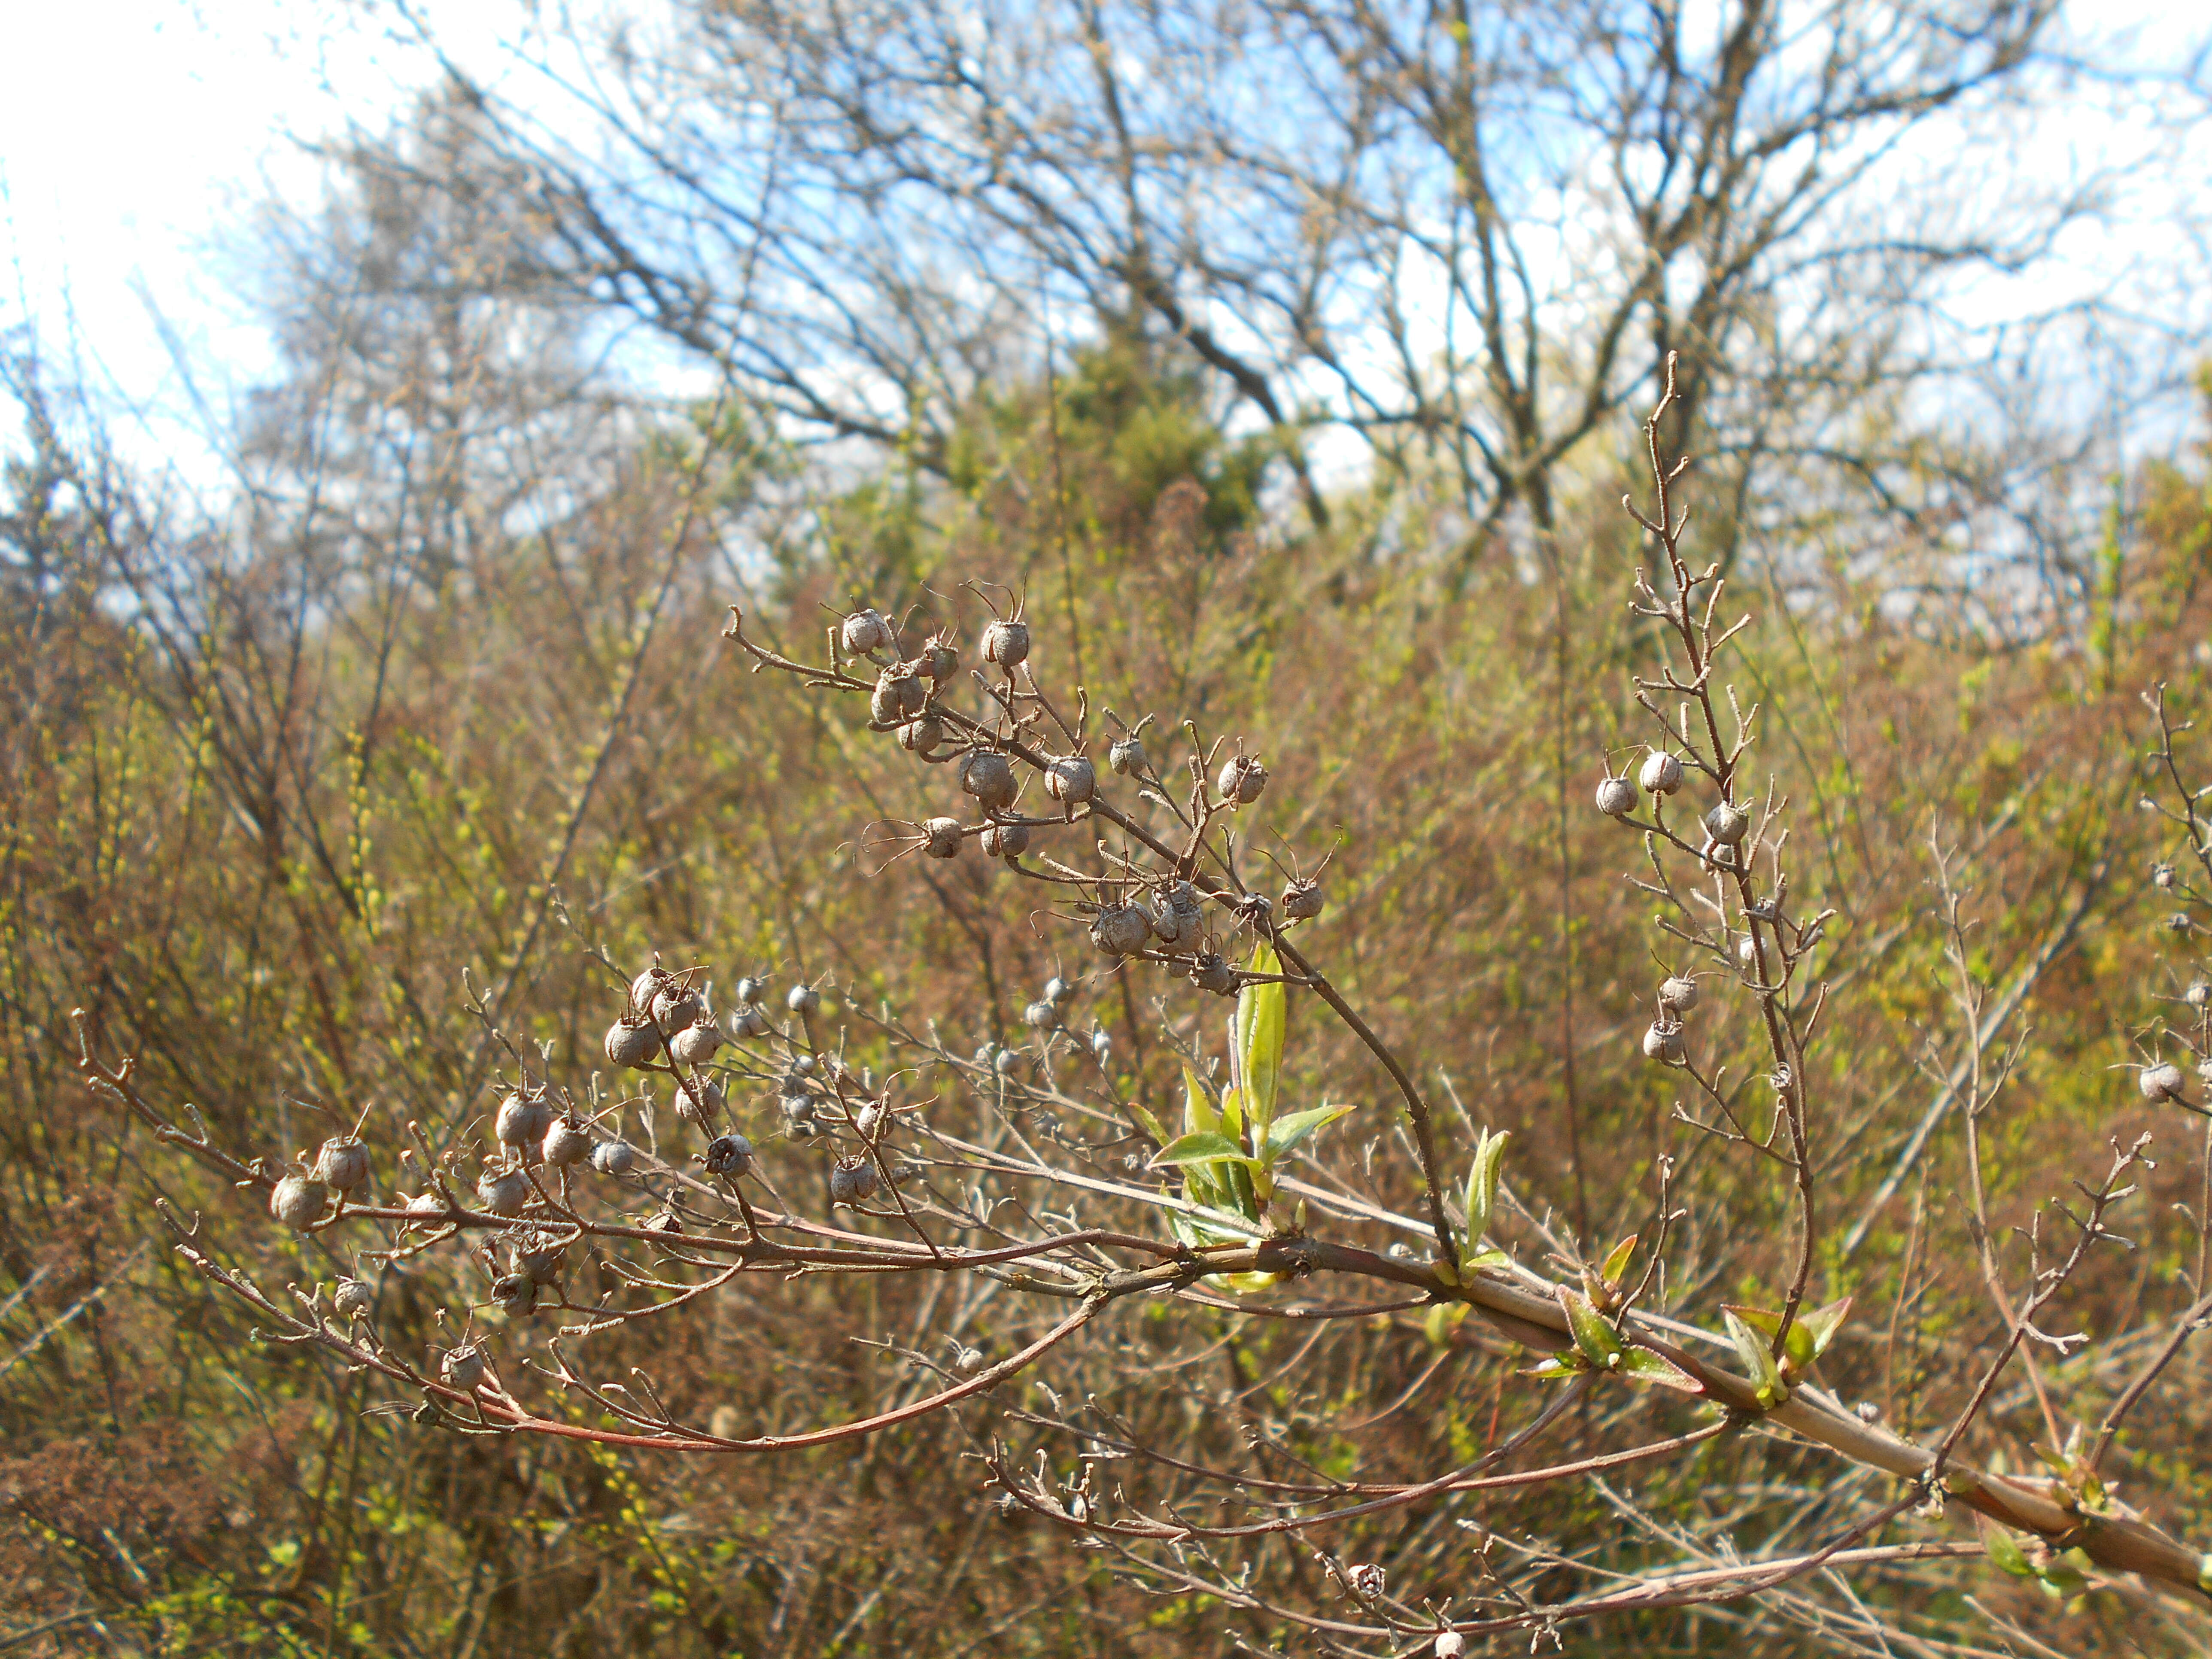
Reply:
x=514, y=1293
x=1242, y=780
x=941, y=657
x=1007, y=643
x=1057, y=991
x=864, y=631
x=2161, y=875
x=986, y=776
x=1070, y=780
x=1663, y=1043
x=1211, y=972
x=297, y=1201
x=632, y=1043
x=752, y=1024
x=802, y=1066
x=1679, y=993
x=1728, y=824
x=695, y=1043
x=537, y=1258
x=1450, y=1644
x=643, y=990
x=1303, y=901
x=700, y=1101
x=795, y=1101
x=1747, y=952
x=853, y=1181
x=1367, y=1580
x=899, y=697
x=1003, y=1062
x=565, y=1142
x=522, y=1120
x=614, y=1158
x=1616, y=797
x=1005, y=840
x=352, y=1299
x=729, y=1155
x=2159, y=1082
x=922, y=737
x=1102, y=1044
x=343, y=1162
x=1179, y=918
x=1042, y=1016
x=1120, y=930
x=665, y=1222
x=2179, y=923
x=1662, y=774
x=1127, y=757
x=504, y=1192
x=803, y=1000
x=2198, y=996
x=464, y=1368
x=941, y=838
x=803, y=1129
x=749, y=992
x=676, y=1006
x=427, y=1204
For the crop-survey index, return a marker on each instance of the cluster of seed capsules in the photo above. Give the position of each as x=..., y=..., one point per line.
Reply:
x=2161, y=1080
x=1726, y=828
x=1160, y=918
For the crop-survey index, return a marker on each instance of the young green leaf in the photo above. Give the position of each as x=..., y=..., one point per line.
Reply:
x=1199, y=1113
x=1617, y=1258
x=1286, y=1133
x=1262, y=1013
x=1482, y=1180
x=1822, y=1325
x=1751, y=1347
x=1205, y=1146
x=1646, y=1366
x=1150, y=1123
x=2005, y=1551
x=1232, y=1116
x=1593, y=1335
x=1569, y=1364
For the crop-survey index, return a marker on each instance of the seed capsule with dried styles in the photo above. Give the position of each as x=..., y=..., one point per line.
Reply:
x=1057, y=991
x=643, y=988
x=1125, y=757
x=941, y=838
x=1241, y=781
x=1728, y=824
x=1041, y=1016
x=803, y=1000
x=1120, y=930
x=1303, y=901
x=864, y=631
x=297, y=1201
x=695, y=1045
x=922, y=736
x=1007, y=643
x=1102, y=1044
x=464, y=1368
x=986, y=776
x=2159, y=1082
x=514, y=1293
x=1662, y=774
x=1005, y=840
x=1367, y=1580
x=522, y=1120
x=1179, y=918
x=853, y=1181
x=614, y=1158
x=1449, y=1644
x=941, y=657
x=632, y=1043
x=700, y=1101
x=1679, y=993
x=1211, y=972
x=565, y=1142
x=1070, y=780
x=341, y=1163
x=729, y=1155
x=1616, y=797
x=537, y=1258
x=2161, y=875
x=352, y=1299
x=1663, y=1043
x=751, y=1024
x=898, y=698
x=676, y=1006
x=749, y=992
x=504, y=1192
x=2198, y=996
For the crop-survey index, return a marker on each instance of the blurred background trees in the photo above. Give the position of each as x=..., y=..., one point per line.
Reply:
x=1285, y=356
